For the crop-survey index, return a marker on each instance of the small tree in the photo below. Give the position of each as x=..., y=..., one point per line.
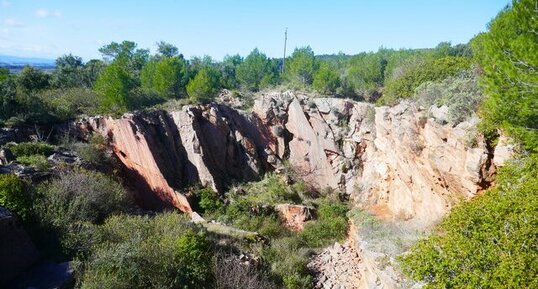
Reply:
x=326, y=79
x=302, y=66
x=166, y=76
x=114, y=86
x=204, y=86
x=254, y=71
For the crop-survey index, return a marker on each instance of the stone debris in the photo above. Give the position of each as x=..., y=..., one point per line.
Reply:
x=336, y=267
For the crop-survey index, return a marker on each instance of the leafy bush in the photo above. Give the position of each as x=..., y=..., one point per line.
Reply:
x=271, y=190
x=80, y=195
x=331, y=225
x=209, y=202
x=38, y=161
x=143, y=252
x=489, y=242
x=326, y=79
x=431, y=70
x=14, y=196
x=204, y=86
x=29, y=149
x=288, y=259
x=93, y=152
x=69, y=205
x=460, y=93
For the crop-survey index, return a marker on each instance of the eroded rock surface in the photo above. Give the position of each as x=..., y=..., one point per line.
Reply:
x=295, y=215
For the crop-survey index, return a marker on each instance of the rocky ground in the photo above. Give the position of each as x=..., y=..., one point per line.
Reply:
x=336, y=267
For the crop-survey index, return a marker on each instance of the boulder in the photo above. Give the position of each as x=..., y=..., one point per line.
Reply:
x=17, y=252
x=6, y=156
x=295, y=215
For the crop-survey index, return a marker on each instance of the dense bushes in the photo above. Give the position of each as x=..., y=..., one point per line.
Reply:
x=459, y=93
x=204, y=86
x=67, y=207
x=15, y=196
x=149, y=252
x=29, y=148
x=405, y=85
x=488, y=242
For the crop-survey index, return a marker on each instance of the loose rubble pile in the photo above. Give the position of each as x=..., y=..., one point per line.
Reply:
x=336, y=267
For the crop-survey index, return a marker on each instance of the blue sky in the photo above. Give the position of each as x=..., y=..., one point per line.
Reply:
x=40, y=28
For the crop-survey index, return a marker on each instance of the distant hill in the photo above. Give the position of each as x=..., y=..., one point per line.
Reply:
x=15, y=63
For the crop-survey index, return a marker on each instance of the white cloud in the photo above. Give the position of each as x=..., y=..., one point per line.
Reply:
x=12, y=22
x=5, y=3
x=44, y=13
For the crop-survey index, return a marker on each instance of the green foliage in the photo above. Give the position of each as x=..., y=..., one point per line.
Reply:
x=405, y=85
x=209, y=202
x=69, y=72
x=126, y=52
x=331, y=225
x=489, y=242
x=143, y=252
x=459, y=93
x=32, y=148
x=204, y=86
x=65, y=104
x=326, y=79
x=38, y=161
x=14, y=196
x=32, y=79
x=166, y=76
x=113, y=87
x=167, y=49
x=301, y=66
x=228, y=70
x=80, y=196
x=507, y=55
x=255, y=72
x=365, y=74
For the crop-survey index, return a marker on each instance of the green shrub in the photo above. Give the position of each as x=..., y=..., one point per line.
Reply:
x=80, y=195
x=326, y=79
x=30, y=148
x=209, y=202
x=431, y=70
x=67, y=207
x=143, y=252
x=489, y=242
x=38, y=161
x=271, y=190
x=288, y=260
x=459, y=93
x=331, y=225
x=14, y=196
x=204, y=86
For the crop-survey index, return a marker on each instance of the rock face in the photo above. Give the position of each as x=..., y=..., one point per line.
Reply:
x=392, y=161
x=295, y=215
x=17, y=252
x=162, y=152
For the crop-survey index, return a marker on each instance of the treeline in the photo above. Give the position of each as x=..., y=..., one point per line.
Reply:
x=129, y=78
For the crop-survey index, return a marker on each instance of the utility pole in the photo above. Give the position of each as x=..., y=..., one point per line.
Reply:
x=284, y=59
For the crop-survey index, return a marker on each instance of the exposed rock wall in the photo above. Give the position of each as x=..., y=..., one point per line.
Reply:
x=393, y=161
x=163, y=152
